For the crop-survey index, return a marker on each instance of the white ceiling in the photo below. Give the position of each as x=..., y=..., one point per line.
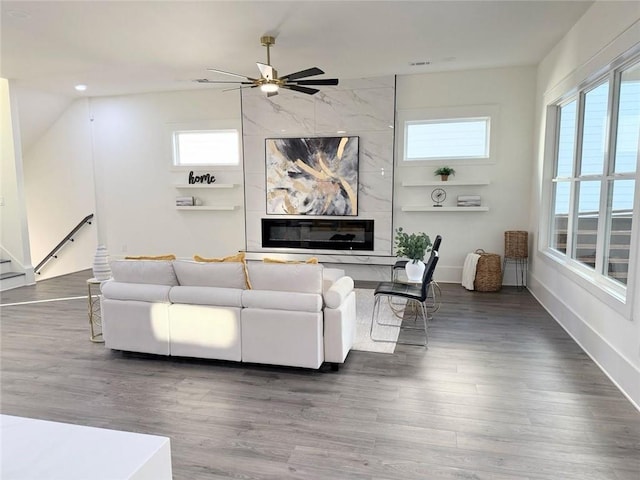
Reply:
x=119, y=47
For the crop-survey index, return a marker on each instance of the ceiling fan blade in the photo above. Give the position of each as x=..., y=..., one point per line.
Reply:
x=232, y=74
x=266, y=70
x=206, y=80
x=239, y=88
x=319, y=81
x=309, y=72
x=309, y=91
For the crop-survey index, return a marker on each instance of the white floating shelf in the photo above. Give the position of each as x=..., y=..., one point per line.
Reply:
x=424, y=208
x=209, y=207
x=451, y=183
x=206, y=185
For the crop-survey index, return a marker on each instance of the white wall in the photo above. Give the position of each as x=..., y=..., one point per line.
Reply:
x=13, y=216
x=135, y=179
x=38, y=111
x=610, y=337
x=511, y=93
x=58, y=172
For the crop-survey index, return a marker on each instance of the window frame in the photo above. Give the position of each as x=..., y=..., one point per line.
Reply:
x=176, y=148
x=442, y=121
x=204, y=126
x=406, y=117
x=614, y=293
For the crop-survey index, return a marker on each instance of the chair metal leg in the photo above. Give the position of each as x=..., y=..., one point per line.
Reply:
x=375, y=320
x=433, y=297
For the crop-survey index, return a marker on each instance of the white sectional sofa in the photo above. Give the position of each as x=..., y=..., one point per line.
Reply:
x=282, y=314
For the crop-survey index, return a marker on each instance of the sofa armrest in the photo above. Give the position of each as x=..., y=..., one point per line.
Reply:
x=340, y=329
x=338, y=292
x=329, y=276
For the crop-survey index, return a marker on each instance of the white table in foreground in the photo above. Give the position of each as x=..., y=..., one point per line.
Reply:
x=41, y=450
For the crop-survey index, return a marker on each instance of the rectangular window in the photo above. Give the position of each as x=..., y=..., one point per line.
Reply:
x=206, y=147
x=620, y=221
x=628, y=134
x=566, y=140
x=594, y=130
x=586, y=230
x=560, y=224
x=447, y=139
x=594, y=177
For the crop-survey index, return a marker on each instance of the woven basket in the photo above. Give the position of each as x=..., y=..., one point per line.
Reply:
x=488, y=272
x=516, y=244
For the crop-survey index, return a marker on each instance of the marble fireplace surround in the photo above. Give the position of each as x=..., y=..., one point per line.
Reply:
x=357, y=107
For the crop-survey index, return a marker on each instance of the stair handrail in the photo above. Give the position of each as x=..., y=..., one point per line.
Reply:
x=69, y=237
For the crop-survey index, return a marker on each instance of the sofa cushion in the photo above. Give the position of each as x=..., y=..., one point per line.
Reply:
x=156, y=272
x=302, y=278
x=271, y=300
x=340, y=290
x=216, y=296
x=210, y=274
x=238, y=257
x=135, y=291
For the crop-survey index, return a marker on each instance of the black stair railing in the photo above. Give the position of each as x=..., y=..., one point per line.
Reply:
x=68, y=238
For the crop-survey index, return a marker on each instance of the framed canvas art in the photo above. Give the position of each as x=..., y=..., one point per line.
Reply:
x=312, y=176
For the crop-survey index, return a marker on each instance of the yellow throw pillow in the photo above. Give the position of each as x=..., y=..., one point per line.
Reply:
x=277, y=260
x=171, y=256
x=238, y=257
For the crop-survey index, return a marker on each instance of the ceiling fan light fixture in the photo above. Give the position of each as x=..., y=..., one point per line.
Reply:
x=270, y=82
x=269, y=87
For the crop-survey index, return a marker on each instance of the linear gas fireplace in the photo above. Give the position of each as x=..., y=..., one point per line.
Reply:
x=318, y=234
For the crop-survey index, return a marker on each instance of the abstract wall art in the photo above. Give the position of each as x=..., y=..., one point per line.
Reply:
x=312, y=176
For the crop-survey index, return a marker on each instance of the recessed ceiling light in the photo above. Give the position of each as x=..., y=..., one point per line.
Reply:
x=81, y=87
x=341, y=131
x=420, y=64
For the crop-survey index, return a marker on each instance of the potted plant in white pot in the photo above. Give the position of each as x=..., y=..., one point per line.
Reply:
x=444, y=173
x=413, y=246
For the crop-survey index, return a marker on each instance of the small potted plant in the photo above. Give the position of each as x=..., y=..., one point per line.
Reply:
x=444, y=173
x=413, y=246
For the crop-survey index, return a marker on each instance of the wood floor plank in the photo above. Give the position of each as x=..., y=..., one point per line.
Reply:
x=501, y=393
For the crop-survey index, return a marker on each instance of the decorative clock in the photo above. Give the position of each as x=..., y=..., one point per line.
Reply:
x=438, y=195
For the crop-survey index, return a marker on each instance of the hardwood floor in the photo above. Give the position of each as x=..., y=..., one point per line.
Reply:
x=502, y=392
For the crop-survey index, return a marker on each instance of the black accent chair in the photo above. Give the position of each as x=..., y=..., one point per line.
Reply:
x=400, y=264
x=409, y=292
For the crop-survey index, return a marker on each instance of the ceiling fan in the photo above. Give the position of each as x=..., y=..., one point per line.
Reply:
x=270, y=83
